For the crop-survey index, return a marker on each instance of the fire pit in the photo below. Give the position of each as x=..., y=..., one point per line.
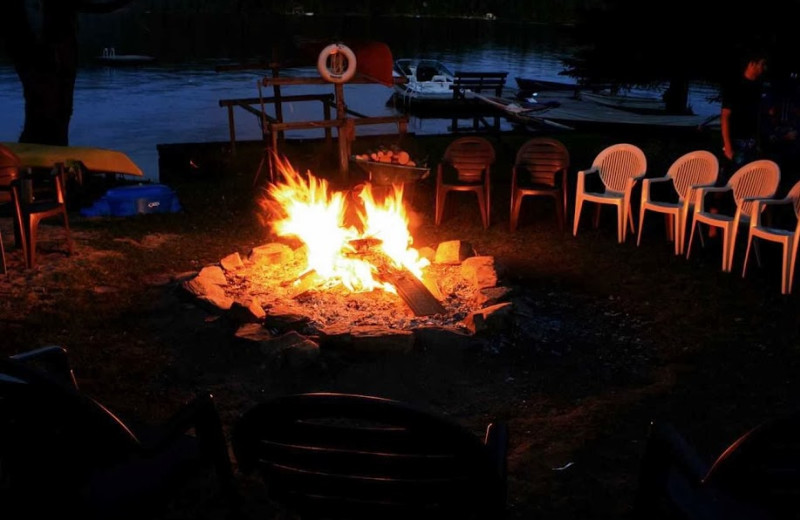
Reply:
x=342, y=272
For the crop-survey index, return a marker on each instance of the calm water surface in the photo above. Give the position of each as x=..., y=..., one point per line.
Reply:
x=135, y=109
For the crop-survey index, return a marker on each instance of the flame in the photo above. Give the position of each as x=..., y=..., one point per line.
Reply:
x=310, y=210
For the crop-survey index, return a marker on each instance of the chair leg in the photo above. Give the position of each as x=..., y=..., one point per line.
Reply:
x=441, y=197
x=484, y=209
x=622, y=217
x=642, y=211
x=691, y=239
x=32, y=225
x=68, y=233
x=2, y=256
x=516, y=205
x=792, y=243
x=747, y=253
x=560, y=213
x=596, y=222
x=576, y=219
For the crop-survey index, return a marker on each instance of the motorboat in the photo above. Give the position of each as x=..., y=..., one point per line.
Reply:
x=426, y=80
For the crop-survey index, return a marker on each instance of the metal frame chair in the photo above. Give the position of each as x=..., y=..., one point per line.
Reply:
x=328, y=455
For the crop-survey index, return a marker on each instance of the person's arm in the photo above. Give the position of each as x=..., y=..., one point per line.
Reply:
x=725, y=130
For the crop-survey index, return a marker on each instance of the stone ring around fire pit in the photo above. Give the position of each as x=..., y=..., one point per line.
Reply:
x=293, y=314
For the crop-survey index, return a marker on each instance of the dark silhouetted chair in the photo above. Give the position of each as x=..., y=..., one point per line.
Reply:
x=756, y=477
x=327, y=455
x=466, y=166
x=540, y=169
x=63, y=453
x=32, y=207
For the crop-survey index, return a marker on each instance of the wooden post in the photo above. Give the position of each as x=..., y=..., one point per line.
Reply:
x=326, y=110
x=341, y=115
x=232, y=130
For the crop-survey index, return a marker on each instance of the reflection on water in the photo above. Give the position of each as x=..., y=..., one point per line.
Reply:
x=173, y=101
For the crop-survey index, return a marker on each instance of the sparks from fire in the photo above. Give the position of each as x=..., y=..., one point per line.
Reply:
x=307, y=208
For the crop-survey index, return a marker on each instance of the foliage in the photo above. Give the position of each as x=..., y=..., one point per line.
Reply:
x=639, y=44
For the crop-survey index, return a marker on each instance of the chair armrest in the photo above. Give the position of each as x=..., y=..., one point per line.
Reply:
x=760, y=204
x=53, y=361
x=702, y=190
x=593, y=169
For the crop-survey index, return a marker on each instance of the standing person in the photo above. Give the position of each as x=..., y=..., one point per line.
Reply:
x=740, y=118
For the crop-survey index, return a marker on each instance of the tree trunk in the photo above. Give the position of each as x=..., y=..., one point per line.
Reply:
x=42, y=40
x=45, y=56
x=676, y=97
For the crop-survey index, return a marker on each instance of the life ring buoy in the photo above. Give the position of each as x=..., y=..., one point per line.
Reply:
x=336, y=63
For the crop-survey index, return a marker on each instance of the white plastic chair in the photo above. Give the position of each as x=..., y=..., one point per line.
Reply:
x=786, y=237
x=696, y=168
x=619, y=167
x=755, y=180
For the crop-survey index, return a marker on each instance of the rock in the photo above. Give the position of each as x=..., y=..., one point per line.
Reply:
x=492, y=295
x=232, y=262
x=479, y=271
x=252, y=332
x=442, y=338
x=291, y=350
x=213, y=274
x=453, y=252
x=495, y=318
x=271, y=254
x=205, y=290
x=247, y=311
x=366, y=341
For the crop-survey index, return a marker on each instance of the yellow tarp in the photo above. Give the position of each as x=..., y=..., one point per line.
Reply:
x=94, y=160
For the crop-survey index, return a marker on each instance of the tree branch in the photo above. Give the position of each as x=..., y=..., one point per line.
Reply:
x=100, y=7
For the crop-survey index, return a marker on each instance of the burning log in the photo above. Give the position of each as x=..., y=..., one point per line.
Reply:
x=410, y=288
x=412, y=291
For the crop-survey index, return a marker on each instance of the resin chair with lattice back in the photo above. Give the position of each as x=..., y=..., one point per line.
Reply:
x=62, y=453
x=344, y=456
x=540, y=169
x=618, y=168
x=32, y=205
x=692, y=169
x=466, y=166
x=787, y=238
x=757, y=179
x=755, y=477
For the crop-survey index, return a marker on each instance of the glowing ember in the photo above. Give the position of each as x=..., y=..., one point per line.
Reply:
x=308, y=209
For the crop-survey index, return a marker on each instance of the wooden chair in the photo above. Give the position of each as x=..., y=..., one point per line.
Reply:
x=468, y=161
x=756, y=477
x=30, y=209
x=64, y=453
x=327, y=455
x=540, y=169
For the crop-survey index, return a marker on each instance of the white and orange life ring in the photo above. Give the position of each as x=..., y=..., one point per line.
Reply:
x=336, y=63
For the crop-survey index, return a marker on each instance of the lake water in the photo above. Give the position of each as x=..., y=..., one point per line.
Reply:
x=176, y=101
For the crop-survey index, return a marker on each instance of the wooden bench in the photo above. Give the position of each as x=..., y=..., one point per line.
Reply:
x=478, y=82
